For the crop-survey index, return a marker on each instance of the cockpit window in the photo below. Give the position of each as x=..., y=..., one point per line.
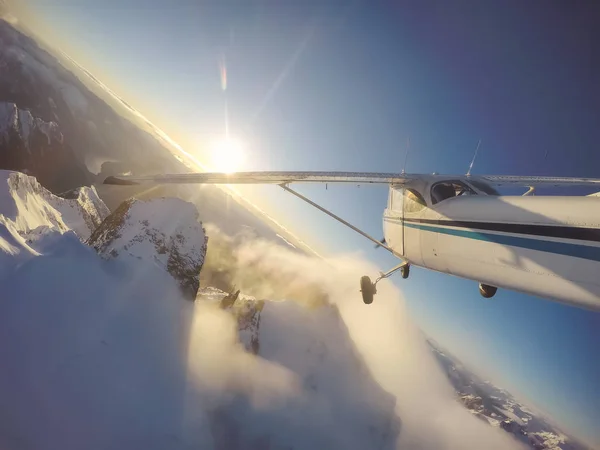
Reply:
x=483, y=187
x=413, y=201
x=448, y=189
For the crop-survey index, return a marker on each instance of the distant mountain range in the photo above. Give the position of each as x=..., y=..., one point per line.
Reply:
x=55, y=127
x=500, y=409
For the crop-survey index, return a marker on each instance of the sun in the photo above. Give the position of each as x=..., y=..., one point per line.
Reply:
x=227, y=155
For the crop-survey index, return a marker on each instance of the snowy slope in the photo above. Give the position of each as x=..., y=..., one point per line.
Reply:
x=164, y=231
x=28, y=212
x=93, y=353
x=26, y=205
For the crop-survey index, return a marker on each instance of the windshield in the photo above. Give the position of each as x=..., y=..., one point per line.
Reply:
x=489, y=190
x=413, y=201
x=448, y=189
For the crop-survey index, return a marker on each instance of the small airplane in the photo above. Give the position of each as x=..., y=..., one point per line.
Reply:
x=547, y=246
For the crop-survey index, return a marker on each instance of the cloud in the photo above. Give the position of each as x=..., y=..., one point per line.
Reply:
x=392, y=347
x=222, y=367
x=244, y=263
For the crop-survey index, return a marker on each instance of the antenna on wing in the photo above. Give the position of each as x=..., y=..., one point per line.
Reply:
x=406, y=155
x=474, y=156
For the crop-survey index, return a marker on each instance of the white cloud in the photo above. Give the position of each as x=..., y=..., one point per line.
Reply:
x=222, y=367
x=393, y=348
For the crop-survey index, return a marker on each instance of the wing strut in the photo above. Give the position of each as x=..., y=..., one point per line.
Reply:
x=339, y=219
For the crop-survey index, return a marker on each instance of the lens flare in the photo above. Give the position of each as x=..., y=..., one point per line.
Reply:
x=223, y=72
x=227, y=155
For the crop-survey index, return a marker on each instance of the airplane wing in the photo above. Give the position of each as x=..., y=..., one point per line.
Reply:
x=337, y=177
x=509, y=180
x=262, y=178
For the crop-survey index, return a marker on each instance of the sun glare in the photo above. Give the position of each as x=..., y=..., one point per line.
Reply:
x=227, y=155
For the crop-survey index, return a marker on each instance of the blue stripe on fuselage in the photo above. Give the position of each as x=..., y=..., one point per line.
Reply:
x=559, y=248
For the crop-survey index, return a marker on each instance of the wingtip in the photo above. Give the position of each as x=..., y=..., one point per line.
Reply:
x=119, y=181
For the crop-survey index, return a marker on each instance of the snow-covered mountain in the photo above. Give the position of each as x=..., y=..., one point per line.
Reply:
x=25, y=206
x=164, y=230
x=500, y=409
x=101, y=349
x=15, y=120
x=30, y=144
x=28, y=212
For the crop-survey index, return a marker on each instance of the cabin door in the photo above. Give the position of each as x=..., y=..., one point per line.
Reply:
x=394, y=227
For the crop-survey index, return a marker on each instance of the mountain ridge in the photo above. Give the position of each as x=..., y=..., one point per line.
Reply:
x=500, y=409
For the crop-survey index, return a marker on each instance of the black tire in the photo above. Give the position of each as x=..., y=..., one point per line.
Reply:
x=367, y=289
x=487, y=291
x=405, y=271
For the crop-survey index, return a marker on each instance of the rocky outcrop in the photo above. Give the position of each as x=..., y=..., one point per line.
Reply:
x=247, y=312
x=37, y=147
x=165, y=231
x=13, y=119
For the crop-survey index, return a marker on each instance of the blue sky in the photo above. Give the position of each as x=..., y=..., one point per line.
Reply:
x=341, y=86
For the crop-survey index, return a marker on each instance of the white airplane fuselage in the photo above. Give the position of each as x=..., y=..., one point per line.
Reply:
x=546, y=246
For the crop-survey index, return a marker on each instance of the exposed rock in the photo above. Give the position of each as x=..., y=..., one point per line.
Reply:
x=163, y=230
x=30, y=144
x=229, y=300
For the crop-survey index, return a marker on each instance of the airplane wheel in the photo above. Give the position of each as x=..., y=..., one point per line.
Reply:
x=405, y=271
x=367, y=288
x=487, y=291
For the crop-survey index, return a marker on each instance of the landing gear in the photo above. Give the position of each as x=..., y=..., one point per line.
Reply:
x=487, y=291
x=405, y=271
x=368, y=288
